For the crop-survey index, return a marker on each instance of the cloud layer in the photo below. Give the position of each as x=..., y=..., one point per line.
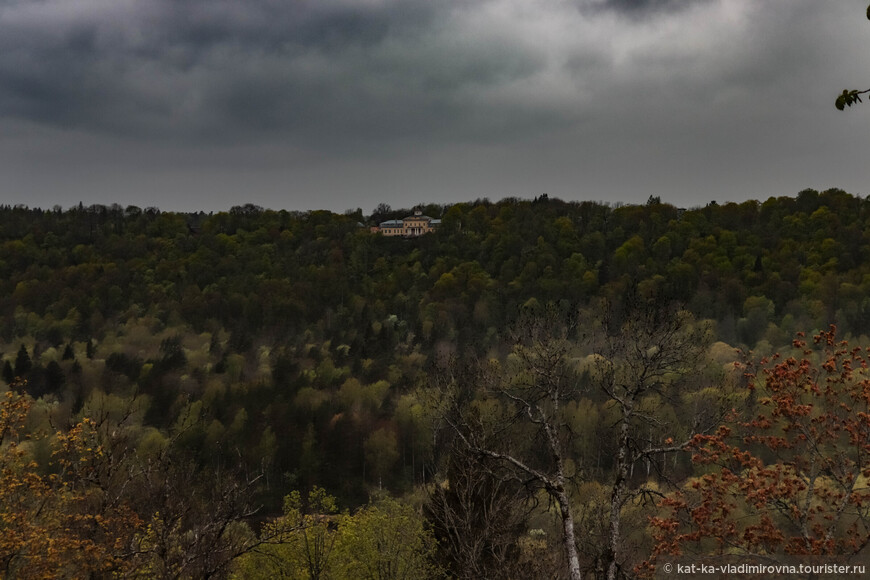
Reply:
x=351, y=99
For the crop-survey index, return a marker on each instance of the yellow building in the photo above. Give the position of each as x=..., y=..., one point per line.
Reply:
x=412, y=226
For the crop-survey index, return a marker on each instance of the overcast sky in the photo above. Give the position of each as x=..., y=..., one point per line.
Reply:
x=339, y=104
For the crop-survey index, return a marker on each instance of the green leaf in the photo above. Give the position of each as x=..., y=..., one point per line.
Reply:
x=848, y=98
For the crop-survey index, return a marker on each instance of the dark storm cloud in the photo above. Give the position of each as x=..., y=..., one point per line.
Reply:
x=227, y=70
x=646, y=6
x=333, y=74
x=457, y=98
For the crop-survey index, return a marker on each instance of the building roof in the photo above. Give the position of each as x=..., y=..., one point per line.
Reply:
x=392, y=224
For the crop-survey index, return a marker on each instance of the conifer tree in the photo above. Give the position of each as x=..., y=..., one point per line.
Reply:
x=23, y=363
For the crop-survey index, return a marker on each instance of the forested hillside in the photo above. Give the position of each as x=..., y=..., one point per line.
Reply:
x=183, y=373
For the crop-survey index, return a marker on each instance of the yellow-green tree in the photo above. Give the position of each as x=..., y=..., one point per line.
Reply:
x=297, y=546
x=381, y=451
x=385, y=541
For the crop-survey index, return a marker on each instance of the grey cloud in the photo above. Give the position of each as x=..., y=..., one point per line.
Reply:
x=227, y=70
x=642, y=7
x=603, y=98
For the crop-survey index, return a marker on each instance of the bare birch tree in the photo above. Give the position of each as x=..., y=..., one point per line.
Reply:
x=513, y=413
x=642, y=363
x=515, y=419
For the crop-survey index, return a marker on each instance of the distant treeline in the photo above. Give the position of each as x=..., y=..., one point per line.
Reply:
x=791, y=262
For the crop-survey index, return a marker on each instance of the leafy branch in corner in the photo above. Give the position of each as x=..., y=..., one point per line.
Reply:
x=848, y=98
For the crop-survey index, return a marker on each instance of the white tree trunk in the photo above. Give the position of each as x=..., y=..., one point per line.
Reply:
x=617, y=496
x=568, y=538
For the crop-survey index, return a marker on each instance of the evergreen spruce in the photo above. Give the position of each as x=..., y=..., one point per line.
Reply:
x=23, y=364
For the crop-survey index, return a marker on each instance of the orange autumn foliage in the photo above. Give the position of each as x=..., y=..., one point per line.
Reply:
x=63, y=523
x=789, y=477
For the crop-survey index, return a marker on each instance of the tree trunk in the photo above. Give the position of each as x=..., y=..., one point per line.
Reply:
x=617, y=496
x=568, y=535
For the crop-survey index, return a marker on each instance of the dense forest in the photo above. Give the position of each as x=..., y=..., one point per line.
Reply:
x=539, y=388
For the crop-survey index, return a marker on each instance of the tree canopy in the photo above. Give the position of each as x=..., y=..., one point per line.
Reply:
x=221, y=361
